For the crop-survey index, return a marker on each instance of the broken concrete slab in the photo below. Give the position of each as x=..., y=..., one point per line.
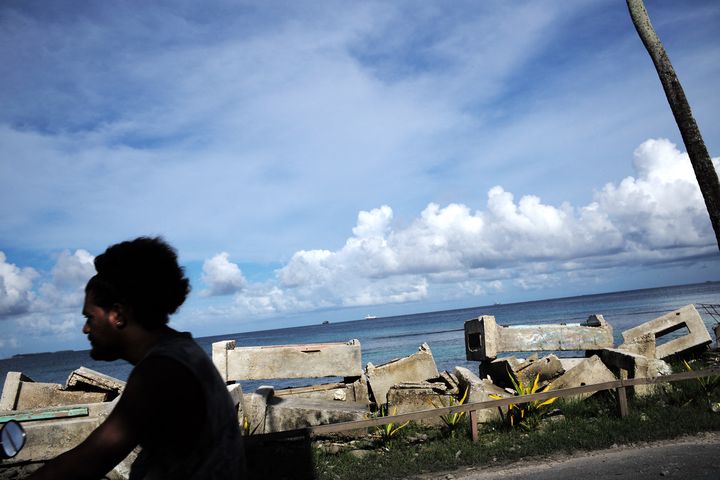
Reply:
x=287, y=361
x=328, y=391
x=570, y=362
x=501, y=370
x=590, y=371
x=21, y=393
x=627, y=364
x=417, y=367
x=687, y=318
x=290, y=413
x=254, y=410
x=407, y=398
x=48, y=438
x=451, y=381
x=546, y=369
x=484, y=338
x=479, y=390
x=88, y=380
x=11, y=390
x=643, y=345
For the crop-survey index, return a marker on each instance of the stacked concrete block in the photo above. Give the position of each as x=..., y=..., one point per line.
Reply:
x=627, y=364
x=418, y=367
x=485, y=339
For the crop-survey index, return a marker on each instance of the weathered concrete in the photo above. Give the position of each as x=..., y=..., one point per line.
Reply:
x=407, y=398
x=289, y=413
x=287, y=361
x=21, y=393
x=484, y=338
x=545, y=369
x=500, y=369
x=418, y=367
x=685, y=317
x=255, y=407
x=643, y=345
x=47, y=439
x=632, y=365
x=88, y=380
x=479, y=390
x=11, y=390
x=356, y=391
x=588, y=372
x=451, y=381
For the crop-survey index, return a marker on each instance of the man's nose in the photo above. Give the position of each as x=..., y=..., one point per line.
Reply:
x=86, y=328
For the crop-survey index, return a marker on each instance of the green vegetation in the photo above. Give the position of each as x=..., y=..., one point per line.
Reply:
x=577, y=425
x=389, y=431
x=525, y=415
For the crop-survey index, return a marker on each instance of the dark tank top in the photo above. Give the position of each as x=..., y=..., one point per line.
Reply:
x=218, y=452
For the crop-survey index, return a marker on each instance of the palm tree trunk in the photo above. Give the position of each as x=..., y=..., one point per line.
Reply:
x=699, y=157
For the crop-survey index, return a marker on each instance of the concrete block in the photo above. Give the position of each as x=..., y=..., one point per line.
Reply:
x=484, y=338
x=236, y=393
x=407, y=398
x=643, y=345
x=632, y=365
x=479, y=390
x=220, y=357
x=11, y=390
x=591, y=370
x=356, y=391
x=451, y=381
x=46, y=439
x=546, y=369
x=500, y=369
x=88, y=380
x=570, y=362
x=255, y=408
x=41, y=395
x=288, y=361
x=687, y=318
x=288, y=413
x=418, y=367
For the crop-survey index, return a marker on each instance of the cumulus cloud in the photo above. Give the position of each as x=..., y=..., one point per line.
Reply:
x=16, y=293
x=656, y=216
x=65, y=289
x=222, y=276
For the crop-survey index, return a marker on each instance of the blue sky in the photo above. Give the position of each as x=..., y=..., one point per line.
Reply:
x=328, y=160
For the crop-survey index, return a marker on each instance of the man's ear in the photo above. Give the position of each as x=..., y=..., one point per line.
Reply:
x=117, y=316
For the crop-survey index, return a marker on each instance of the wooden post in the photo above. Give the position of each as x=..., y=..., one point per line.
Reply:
x=622, y=403
x=473, y=425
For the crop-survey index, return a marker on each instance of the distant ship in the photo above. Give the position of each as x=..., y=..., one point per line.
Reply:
x=326, y=322
x=371, y=317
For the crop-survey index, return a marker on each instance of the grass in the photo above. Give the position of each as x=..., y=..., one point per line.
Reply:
x=584, y=425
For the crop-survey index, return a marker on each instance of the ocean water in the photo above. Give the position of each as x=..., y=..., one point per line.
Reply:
x=386, y=338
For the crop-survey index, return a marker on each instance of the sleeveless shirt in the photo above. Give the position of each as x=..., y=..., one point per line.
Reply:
x=218, y=452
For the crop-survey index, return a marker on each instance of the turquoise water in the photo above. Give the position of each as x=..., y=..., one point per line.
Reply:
x=386, y=338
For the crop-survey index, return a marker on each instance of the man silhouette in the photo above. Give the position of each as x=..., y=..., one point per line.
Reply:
x=175, y=405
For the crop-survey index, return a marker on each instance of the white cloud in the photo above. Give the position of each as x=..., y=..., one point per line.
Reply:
x=66, y=288
x=16, y=293
x=657, y=216
x=222, y=276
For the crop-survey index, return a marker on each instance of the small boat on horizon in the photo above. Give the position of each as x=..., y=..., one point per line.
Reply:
x=370, y=317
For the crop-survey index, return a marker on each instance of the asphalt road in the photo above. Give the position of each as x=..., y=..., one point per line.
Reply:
x=695, y=458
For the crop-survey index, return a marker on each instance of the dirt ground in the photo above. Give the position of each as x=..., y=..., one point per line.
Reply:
x=693, y=457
